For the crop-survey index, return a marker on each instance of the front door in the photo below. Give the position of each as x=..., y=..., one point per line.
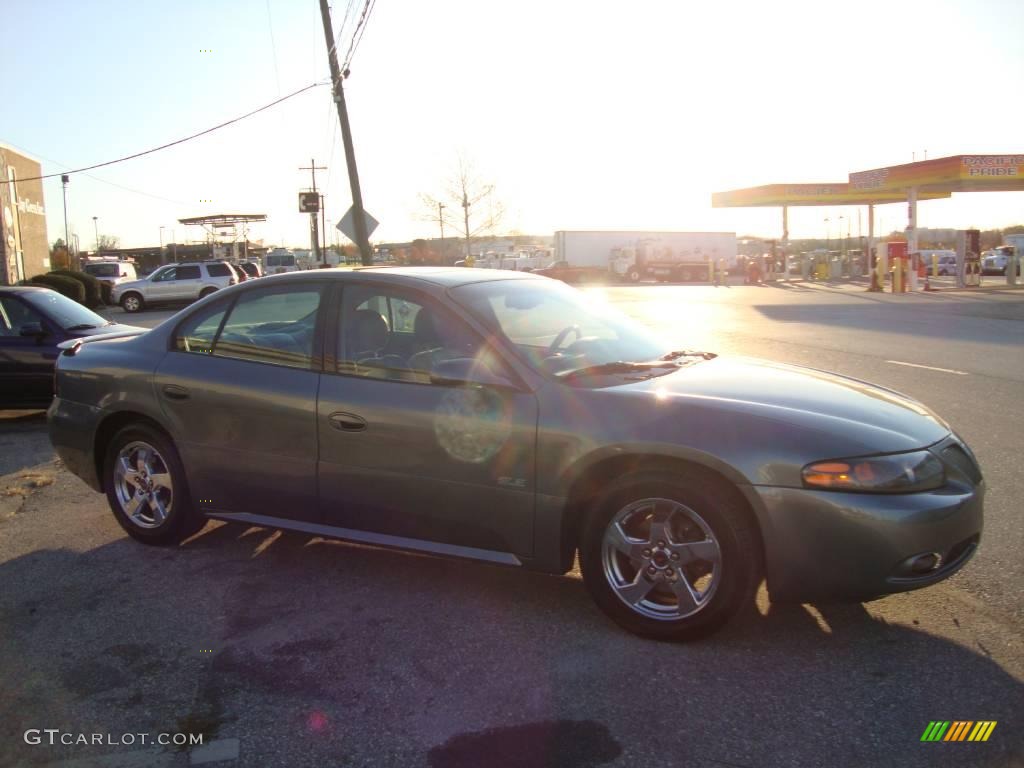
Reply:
x=405, y=455
x=26, y=362
x=239, y=390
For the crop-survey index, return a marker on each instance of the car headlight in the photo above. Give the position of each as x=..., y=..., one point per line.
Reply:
x=897, y=473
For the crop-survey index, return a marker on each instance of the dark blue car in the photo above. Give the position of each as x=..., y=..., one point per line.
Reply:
x=33, y=321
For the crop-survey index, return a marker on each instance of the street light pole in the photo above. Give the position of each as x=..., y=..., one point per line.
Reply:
x=440, y=220
x=67, y=240
x=96, y=228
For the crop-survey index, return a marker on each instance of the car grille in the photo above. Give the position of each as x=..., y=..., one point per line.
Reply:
x=957, y=457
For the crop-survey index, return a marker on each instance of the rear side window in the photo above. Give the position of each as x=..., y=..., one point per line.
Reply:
x=187, y=273
x=272, y=327
x=198, y=332
x=218, y=270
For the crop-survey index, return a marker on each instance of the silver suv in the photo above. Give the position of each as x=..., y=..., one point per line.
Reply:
x=175, y=282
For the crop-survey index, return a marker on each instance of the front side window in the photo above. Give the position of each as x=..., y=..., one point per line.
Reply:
x=398, y=335
x=272, y=326
x=167, y=273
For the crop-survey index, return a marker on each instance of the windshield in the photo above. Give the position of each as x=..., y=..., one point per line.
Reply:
x=69, y=314
x=103, y=270
x=557, y=328
x=281, y=260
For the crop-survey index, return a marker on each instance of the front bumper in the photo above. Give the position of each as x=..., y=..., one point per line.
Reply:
x=822, y=544
x=72, y=428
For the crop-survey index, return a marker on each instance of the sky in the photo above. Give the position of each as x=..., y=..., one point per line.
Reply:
x=583, y=115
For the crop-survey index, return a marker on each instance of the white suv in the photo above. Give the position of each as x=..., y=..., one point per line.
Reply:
x=175, y=282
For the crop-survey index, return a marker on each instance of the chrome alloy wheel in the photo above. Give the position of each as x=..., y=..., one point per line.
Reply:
x=661, y=559
x=131, y=303
x=142, y=482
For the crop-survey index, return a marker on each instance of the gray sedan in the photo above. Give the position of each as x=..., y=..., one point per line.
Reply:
x=505, y=417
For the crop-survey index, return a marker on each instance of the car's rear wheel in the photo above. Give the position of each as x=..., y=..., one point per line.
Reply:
x=146, y=487
x=132, y=302
x=670, y=556
x=206, y=292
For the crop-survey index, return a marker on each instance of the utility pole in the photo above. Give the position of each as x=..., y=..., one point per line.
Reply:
x=358, y=214
x=314, y=234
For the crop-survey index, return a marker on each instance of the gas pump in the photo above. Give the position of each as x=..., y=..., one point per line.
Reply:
x=897, y=254
x=968, y=257
x=1013, y=265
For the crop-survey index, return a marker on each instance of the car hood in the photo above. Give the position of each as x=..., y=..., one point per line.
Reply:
x=138, y=283
x=871, y=417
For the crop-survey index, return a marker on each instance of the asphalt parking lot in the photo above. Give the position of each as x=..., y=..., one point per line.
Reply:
x=288, y=650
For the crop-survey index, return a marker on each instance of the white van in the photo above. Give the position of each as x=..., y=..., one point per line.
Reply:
x=279, y=260
x=110, y=271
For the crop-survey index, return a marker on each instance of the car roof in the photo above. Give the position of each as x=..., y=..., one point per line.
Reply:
x=444, y=277
x=23, y=289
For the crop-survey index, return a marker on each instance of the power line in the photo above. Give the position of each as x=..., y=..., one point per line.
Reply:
x=344, y=23
x=59, y=164
x=179, y=141
x=357, y=35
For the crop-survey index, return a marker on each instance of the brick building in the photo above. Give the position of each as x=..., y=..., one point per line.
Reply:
x=24, y=250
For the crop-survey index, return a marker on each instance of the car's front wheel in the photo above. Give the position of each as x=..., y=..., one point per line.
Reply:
x=206, y=292
x=132, y=302
x=670, y=556
x=146, y=487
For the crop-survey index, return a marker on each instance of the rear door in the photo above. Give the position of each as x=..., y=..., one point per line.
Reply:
x=239, y=389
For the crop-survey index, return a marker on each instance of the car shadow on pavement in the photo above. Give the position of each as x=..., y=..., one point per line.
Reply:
x=319, y=652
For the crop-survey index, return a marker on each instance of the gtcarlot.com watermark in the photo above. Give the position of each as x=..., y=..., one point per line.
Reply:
x=55, y=737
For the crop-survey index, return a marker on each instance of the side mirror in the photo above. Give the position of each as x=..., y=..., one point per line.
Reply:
x=465, y=370
x=124, y=274
x=33, y=330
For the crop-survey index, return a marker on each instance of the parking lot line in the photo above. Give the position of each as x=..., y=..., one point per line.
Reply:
x=929, y=367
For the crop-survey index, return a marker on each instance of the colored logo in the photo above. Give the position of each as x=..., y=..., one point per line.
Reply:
x=958, y=730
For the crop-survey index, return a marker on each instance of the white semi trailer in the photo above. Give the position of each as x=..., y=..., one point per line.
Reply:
x=635, y=256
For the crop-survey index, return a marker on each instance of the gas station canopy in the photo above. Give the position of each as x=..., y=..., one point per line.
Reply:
x=838, y=193
x=959, y=173
x=224, y=219
x=925, y=180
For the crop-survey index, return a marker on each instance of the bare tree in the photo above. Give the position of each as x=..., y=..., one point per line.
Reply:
x=481, y=213
x=108, y=243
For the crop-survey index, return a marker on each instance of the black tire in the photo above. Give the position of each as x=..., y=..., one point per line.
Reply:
x=206, y=292
x=722, y=510
x=634, y=275
x=132, y=302
x=182, y=519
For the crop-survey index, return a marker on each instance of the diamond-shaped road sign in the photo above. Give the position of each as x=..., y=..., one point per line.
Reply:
x=347, y=225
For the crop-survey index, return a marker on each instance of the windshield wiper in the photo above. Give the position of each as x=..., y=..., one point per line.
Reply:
x=613, y=367
x=688, y=353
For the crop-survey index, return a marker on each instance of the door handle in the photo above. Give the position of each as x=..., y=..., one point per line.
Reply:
x=174, y=392
x=347, y=422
